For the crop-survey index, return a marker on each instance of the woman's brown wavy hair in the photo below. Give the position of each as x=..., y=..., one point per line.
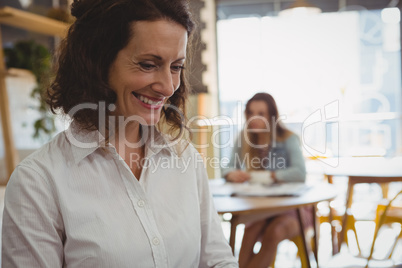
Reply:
x=101, y=30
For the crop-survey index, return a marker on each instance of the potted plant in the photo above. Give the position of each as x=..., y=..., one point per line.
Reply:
x=36, y=58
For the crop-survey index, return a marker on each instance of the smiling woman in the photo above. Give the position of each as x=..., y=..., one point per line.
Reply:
x=94, y=46
x=113, y=190
x=147, y=71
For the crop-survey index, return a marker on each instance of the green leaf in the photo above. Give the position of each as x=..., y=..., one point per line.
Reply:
x=35, y=57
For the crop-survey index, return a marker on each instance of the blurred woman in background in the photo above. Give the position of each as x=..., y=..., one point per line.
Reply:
x=265, y=144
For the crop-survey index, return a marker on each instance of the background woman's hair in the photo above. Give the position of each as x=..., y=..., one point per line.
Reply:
x=273, y=113
x=101, y=30
x=278, y=131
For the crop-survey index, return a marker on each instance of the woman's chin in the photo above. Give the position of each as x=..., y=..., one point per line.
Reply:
x=151, y=121
x=148, y=119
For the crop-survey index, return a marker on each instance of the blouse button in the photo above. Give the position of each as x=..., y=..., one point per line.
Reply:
x=155, y=241
x=141, y=203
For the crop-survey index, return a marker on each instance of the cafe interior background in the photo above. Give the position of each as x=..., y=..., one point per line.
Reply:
x=335, y=74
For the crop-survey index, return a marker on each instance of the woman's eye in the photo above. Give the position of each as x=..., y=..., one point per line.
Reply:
x=177, y=68
x=147, y=66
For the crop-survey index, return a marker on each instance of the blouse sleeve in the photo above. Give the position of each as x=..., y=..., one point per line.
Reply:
x=31, y=234
x=297, y=167
x=215, y=250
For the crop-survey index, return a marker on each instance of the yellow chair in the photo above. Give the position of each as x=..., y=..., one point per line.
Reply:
x=346, y=260
x=336, y=224
x=298, y=241
x=338, y=212
x=393, y=215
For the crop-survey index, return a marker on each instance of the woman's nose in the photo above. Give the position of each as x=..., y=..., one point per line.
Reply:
x=165, y=83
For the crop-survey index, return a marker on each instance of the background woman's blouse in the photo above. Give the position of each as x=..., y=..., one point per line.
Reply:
x=285, y=158
x=75, y=204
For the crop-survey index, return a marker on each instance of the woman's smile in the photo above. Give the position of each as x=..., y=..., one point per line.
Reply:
x=148, y=102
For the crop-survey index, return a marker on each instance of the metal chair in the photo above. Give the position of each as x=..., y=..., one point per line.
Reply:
x=347, y=260
x=393, y=215
x=298, y=241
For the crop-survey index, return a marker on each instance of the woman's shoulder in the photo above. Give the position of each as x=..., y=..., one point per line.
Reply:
x=50, y=155
x=291, y=138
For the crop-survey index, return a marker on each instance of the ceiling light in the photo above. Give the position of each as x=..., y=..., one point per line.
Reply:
x=300, y=7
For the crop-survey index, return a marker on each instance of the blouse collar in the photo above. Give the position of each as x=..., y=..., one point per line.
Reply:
x=85, y=142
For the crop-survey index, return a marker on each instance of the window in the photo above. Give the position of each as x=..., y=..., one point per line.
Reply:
x=336, y=77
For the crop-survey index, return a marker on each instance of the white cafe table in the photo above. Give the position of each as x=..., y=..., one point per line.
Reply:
x=247, y=209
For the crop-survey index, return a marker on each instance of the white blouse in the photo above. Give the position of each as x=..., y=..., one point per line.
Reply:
x=74, y=203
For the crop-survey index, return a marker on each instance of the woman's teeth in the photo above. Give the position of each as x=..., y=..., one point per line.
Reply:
x=148, y=101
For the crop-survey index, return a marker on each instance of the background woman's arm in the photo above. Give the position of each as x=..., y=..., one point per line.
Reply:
x=233, y=171
x=296, y=170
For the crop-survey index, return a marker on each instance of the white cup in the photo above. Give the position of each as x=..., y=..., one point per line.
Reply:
x=261, y=177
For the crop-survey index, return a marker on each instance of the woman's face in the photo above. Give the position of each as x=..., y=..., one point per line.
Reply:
x=147, y=71
x=258, y=116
